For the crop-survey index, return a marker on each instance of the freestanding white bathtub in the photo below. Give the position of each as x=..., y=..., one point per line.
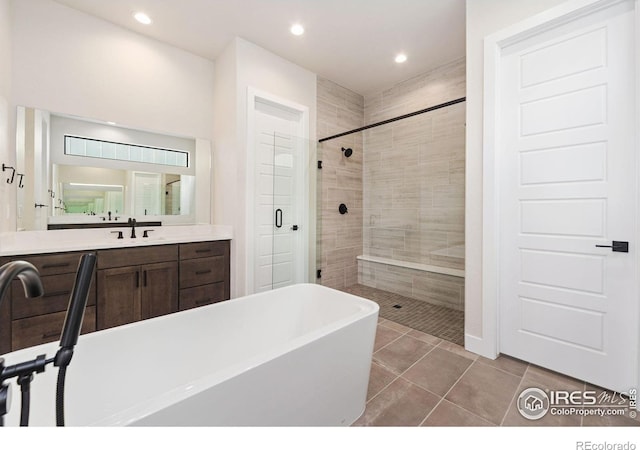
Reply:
x=299, y=355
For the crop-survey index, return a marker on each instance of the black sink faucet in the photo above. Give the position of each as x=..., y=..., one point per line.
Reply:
x=132, y=222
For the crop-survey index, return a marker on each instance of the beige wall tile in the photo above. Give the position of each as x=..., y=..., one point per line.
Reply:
x=340, y=181
x=430, y=287
x=404, y=184
x=447, y=261
x=448, y=196
x=426, y=152
x=349, y=237
x=443, y=292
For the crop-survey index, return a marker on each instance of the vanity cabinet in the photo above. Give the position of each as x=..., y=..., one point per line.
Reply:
x=204, y=273
x=129, y=284
x=35, y=321
x=136, y=283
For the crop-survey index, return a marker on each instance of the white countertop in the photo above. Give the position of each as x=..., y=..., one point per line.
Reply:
x=52, y=241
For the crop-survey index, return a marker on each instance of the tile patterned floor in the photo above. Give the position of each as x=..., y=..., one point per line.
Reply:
x=418, y=379
x=440, y=321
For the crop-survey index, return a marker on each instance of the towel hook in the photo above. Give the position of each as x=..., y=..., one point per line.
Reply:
x=13, y=173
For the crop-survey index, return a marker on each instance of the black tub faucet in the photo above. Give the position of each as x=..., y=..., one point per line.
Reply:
x=26, y=273
x=132, y=222
x=32, y=284
x=25, y=371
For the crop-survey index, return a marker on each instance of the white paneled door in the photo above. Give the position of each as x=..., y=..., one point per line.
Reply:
x=567, y=165
x=279, y=258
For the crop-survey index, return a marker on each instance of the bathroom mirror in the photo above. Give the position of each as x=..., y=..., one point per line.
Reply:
x=85, y=198
x=82, y=171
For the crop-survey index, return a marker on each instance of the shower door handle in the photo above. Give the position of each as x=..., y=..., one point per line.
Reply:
x=278, y=218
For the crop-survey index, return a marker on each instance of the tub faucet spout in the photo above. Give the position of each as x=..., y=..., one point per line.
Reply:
x=26, y=273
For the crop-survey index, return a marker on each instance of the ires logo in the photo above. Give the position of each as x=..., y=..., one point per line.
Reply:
x=534, y=403
x=573, y=398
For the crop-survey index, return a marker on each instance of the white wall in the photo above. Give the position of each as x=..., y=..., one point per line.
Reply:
x=68, y=62
x=484, y=17
x=225, y=149
x=243, y=65
x=7, y=154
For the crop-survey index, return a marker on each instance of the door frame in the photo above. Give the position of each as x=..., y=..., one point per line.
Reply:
x=254, y=95
x=489, y=344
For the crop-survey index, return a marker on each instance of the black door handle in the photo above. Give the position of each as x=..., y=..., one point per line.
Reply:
x=278, y=218
x=617, y=246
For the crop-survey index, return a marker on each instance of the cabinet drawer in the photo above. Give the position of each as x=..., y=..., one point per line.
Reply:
x=46, y=328
x=57, y=291
x=196, y=272
x=121, y=257
x=53, y=264
x=202, y=295
x=203, y=249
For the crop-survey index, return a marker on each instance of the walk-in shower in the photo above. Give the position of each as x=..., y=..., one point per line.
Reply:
x=402, y=241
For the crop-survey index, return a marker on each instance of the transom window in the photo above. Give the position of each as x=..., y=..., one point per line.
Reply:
x=95, y=148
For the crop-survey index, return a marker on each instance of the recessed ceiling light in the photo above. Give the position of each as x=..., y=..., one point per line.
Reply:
x=142, y=18
x=297, y=29
x=400, y=58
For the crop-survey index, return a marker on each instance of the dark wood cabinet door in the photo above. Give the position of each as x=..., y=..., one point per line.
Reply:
x=202, y=295
x=54, y=263
x=57, y=291
x=197, y=272
x=46, y=328
x=118, y=296
x=159, y=289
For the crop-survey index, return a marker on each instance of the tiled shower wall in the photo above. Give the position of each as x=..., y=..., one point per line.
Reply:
x=413, y=182
x=340, y=181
